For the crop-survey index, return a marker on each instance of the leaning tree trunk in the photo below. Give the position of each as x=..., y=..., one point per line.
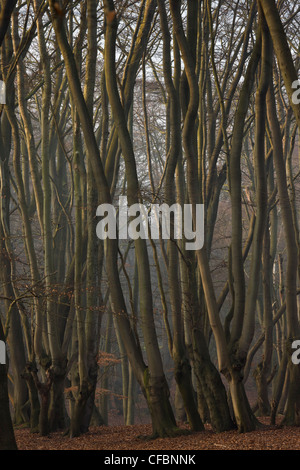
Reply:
x=156, y=388
x=179, y=353
x=282, y=51
x=264, y=367
x=239, y=398
x=118, y=303
x=293, y=328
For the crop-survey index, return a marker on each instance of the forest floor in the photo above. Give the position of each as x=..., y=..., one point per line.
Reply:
x=118, y=437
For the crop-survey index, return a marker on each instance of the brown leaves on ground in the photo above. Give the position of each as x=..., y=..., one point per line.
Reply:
x=128, y=438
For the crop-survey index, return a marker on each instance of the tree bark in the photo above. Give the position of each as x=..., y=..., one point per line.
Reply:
x=7, y=437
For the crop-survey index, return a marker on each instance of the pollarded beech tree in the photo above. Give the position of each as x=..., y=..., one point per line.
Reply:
x=161, y=101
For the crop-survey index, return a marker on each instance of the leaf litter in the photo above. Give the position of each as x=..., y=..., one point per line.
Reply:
x=123, y=437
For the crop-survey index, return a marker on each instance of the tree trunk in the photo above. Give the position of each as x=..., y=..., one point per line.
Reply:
x=155, y=368
x=57, y=412
x=282, y=51
x=293, y=328
x=33, y=399
x=245, y=419
x=7, y=437
x=157, y=395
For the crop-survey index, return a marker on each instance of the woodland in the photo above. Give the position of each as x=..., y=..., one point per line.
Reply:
x=164, y=102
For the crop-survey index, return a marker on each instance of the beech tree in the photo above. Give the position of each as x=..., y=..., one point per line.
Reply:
x=7, y=439
x=161, y=101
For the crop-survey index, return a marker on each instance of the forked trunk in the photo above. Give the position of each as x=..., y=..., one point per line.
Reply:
x=162, y=417
x=211, y=385
x=215, y=397
x=264, y=407
x=245, y=419
x=183, y=380
x=77, y=427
